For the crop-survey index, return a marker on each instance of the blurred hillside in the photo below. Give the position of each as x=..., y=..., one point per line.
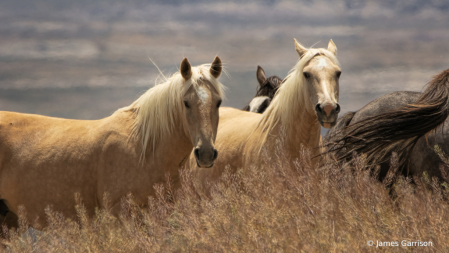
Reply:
x=84, y=59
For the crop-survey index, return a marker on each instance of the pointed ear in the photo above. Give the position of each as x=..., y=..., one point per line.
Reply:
x=186, y=69
x=331, y=47
x=300, y=49
x=216, y=67
x=261, y=77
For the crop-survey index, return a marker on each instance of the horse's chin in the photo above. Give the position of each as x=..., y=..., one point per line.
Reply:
x=206, y=167
x=327, y=124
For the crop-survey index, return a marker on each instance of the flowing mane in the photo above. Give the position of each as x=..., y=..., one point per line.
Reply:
x=160, y=109
x=290, y=96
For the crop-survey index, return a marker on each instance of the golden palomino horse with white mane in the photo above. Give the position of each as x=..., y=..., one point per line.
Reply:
x=307, y=99
x=45, y=161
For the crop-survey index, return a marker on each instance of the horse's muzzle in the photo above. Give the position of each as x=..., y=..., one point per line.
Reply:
x=327, y=114
x=205, y=157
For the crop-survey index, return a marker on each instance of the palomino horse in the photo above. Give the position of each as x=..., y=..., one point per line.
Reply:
x=267, y=89
x=398, y=122
x=45, y=160
x=307, y=99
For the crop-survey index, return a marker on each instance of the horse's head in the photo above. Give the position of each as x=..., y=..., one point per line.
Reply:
x=201, y=104
x=259, y=104
x=267, y=86
x=265, y=93
x=321, y=75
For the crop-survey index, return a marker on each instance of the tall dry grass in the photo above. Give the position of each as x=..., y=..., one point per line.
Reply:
x=330, y=208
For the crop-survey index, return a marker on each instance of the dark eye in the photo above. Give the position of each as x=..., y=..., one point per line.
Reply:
x=186, y=104
x=338, y=74
x=219, y=103
x=306, y=74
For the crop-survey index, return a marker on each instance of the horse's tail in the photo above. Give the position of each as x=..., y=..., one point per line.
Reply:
x=398, y=130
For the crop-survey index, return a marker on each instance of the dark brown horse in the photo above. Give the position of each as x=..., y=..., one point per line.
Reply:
x=265, y=93
x=398, y=122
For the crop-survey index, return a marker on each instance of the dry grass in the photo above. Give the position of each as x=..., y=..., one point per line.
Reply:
x=272, y=209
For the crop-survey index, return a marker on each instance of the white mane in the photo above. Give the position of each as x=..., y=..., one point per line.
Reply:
x=160, y=109
x=290, y=96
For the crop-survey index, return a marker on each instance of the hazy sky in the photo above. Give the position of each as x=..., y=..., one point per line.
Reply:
x=84, y=60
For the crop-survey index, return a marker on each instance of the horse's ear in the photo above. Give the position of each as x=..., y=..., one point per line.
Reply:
x=331, y=47
x=300, y=49
x=261, y=77
x=216, y=67
x=186, y=69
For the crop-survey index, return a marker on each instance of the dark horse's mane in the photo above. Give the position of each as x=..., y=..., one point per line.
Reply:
x=397, y=130
x=268, y=88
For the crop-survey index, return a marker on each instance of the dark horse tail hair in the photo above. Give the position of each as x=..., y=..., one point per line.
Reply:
x=395, y=131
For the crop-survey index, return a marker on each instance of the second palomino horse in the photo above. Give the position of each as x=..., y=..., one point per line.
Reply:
x=307, y=100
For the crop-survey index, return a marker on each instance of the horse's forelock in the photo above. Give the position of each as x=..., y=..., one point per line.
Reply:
x=200, y=73
x=324, y=52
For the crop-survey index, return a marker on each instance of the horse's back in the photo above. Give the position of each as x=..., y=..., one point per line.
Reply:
x=42, y=129
x=30, y=136
x=237, y=117
x=386, y=103
x=22, y=122
x=235, y=128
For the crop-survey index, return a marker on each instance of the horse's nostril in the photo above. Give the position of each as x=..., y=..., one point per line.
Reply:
x=196, y=152
x=337, y=109
x=318, y=107
x=215, y=154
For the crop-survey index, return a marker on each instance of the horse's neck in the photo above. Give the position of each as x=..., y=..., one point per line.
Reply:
x=170, y=151
x=170, y=147
x=169, y=154
x=303, y=132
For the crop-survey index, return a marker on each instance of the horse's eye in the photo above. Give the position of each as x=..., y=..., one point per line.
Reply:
x=186, y=104
x=338, y=74
x=219, y=103
x=306, y=74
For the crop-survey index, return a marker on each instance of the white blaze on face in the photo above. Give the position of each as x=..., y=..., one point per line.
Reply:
x=256, y=103
x=326, y=92
x=202, y=94
x=322, y=63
